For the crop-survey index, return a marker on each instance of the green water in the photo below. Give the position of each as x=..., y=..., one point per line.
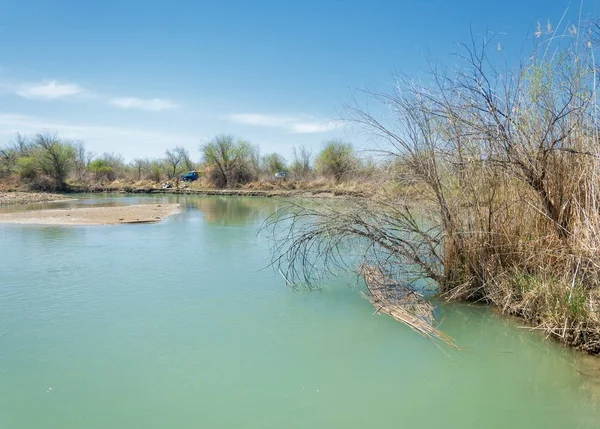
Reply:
x=176, y=325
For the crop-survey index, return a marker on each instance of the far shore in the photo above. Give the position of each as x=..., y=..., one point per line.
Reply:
x=139, y=213
x=295, y=193
x=19, y=197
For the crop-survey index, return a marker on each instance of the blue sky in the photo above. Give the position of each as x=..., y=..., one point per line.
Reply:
x=138, y=77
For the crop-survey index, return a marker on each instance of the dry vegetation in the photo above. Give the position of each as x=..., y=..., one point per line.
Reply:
x=45, y=162
x=507, y=168
x=402, y=303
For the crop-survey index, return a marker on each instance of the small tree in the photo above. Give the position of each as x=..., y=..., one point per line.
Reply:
x=102, y=170
x=254, y=160
x=273, y=162
x=336, y=159
x=188, y=164
x=109, y=166
x=53, y=158
x=8, y=160
x=19, y=147
x=156, y=168
x=80, y=159
x=175, y=160
x=140, y=166
x=301, y=164
x=22, y=145
x=230, y=160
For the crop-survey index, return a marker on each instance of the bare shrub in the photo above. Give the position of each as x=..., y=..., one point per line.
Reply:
x=504, y=167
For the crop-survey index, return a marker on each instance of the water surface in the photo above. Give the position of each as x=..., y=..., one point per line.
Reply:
x=177, y=325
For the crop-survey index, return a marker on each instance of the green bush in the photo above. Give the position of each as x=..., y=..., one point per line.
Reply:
x=336, y=159
x=26, y=167
x=102, y=169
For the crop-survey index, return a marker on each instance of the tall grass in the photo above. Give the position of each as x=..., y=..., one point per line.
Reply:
x=505, y=167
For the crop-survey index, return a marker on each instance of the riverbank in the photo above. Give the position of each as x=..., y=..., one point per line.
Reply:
x=291, y=193
x=14, y=197
x=291, y=189
x=141, y=213
x=17, y=197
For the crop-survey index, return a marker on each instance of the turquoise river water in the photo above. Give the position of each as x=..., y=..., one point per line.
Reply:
x=180, y=325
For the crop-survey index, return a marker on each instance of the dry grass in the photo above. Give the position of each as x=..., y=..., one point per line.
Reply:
x=513, y=255
x=505, y=167
x=402, y=304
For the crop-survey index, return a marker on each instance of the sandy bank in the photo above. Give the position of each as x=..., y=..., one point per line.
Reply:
x=142, y=213
x=7, y=198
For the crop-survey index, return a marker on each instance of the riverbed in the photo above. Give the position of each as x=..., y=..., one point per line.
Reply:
x=182, y=324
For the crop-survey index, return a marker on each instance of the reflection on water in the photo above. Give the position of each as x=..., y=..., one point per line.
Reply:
x=230, y=210
x=218, y=210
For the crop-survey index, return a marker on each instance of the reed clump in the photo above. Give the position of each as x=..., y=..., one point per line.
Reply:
x=505, y=165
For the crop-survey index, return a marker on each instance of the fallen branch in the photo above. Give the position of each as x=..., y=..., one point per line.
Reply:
x=402, y=304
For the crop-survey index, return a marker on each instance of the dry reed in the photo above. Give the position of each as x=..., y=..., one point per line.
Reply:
x=402, y=304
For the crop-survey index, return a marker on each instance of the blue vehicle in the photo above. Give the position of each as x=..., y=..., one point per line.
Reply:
x=190, y=177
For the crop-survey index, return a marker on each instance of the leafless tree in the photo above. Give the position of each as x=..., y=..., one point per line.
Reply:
x=139, y=165
x=175, y=160
x=231, y=159
x=80, y=159
x=301, y=162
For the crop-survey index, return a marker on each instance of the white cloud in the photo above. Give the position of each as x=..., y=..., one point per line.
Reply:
x=262, y=120
x=315, y=127
x=49, y=90
x=153, y=104
x=291, y=124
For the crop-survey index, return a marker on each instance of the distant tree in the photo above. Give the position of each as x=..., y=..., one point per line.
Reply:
x=147, y=169
x=175, y=160
x=115, y=160
x=254, y=160
x=80, y=159
x=8, y=160
x=109, y=166
x=19, y=147
x=230, y=160
x=156, y=170
x=273, y=162
x=188, y=164
x=22, y=145
x=336, y=159
x=102, y=170
x=301, y=162
x=140, y=166
x=53, y=158
x=26, y=168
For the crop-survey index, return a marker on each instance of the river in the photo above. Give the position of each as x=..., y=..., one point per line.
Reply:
x=180, y=325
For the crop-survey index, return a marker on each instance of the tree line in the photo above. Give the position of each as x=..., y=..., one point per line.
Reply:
x=45, y=161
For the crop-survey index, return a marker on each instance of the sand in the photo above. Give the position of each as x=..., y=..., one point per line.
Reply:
x=141, y=213
x=7, y=198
